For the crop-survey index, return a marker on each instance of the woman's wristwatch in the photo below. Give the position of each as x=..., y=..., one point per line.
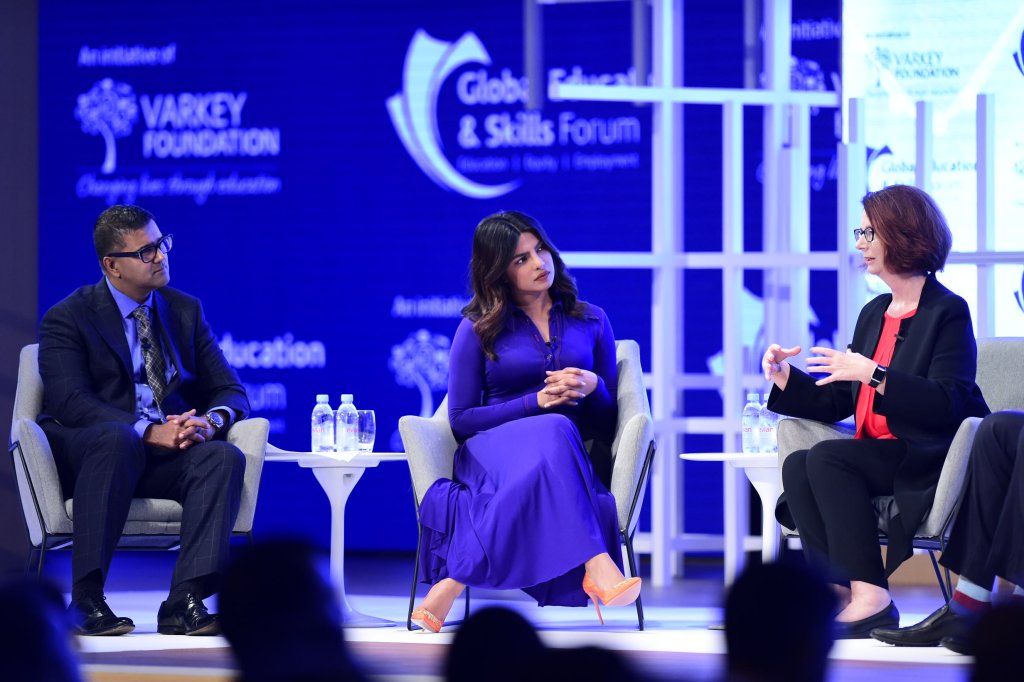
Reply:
x=878, y=376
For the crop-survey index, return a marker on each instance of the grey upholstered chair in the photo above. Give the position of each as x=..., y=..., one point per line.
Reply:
x=430, y=447
x=151, y=522
x=1001, y=379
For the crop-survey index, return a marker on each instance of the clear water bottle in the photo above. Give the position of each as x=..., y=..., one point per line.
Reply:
x=768, y=421
x=323, y=425
x=751, y=415
x=346, y=425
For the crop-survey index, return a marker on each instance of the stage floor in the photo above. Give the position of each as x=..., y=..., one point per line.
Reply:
x=676, y=645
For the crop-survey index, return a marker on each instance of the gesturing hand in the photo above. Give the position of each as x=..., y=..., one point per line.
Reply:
x=839, y=366
x=772, y=362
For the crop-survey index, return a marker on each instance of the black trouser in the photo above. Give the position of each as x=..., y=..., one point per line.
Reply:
x=988, y=535
x=829, y=490
x=107, y=464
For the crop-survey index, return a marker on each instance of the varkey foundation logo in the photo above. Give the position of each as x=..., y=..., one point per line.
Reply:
x=414, y=110
x=109, y=109
x=915, y=64
x=504, y=142
x=184, y=129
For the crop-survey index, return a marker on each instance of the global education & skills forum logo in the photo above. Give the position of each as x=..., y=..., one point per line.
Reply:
x=1018, y=56
x=509, y=141
x=182, y=131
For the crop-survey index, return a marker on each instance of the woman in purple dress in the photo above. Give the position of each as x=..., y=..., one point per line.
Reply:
x=532, y=379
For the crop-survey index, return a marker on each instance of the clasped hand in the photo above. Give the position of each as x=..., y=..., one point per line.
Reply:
x=179, y=431
x=566, y=387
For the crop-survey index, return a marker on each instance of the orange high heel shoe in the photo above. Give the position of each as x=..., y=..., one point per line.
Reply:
x=428, y=621
x=623, y=593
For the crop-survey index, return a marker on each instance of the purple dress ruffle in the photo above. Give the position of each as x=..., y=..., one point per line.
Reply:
x=525, y=509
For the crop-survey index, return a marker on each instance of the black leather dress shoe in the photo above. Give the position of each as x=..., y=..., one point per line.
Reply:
x=929, y=632
x=92, y=616
x=186, y=617
x=959, y=644
x=861, y=629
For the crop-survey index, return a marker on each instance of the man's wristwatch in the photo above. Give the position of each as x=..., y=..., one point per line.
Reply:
x=216, y=421
x=878, y=376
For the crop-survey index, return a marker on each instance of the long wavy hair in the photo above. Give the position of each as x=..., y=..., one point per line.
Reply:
x=494, y=245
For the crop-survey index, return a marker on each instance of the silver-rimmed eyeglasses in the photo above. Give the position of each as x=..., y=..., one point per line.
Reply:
x=148, y=253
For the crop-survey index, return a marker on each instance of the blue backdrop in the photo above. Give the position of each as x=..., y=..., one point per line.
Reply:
x=322, y=166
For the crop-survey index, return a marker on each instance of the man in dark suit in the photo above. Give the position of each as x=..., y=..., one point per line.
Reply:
x=137, y=398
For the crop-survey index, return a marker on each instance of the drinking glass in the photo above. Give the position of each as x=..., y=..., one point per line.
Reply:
x=367, y=429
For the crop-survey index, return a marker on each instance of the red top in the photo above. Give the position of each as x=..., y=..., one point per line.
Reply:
x=870, y=424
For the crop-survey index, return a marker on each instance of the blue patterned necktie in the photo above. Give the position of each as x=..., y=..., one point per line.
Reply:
x=156, y=370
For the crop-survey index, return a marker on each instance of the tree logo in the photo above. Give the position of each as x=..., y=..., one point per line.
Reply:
x=109, y=109
x=414, y=110
x=421, y=361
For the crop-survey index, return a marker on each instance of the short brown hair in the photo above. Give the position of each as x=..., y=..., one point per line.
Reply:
x=912, y=228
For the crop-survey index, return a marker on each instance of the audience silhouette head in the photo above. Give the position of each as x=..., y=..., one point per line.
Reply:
x=497, y=644
x=38, y=644
x=282, y=617
x=778, y=624
x=494, y=643
x=997, y=643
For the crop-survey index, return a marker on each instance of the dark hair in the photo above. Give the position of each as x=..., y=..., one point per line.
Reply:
x=778, y=623
x=36, y=645
x=312, y=646
x=116, y=223
x=494, y=643
x=494, y=246
x=912, y=228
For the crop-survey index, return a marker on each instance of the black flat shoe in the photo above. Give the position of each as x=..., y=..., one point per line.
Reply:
x=929, y=632
x=93, y=617
x=861, y=629
x=186, y=617
x=960, y=645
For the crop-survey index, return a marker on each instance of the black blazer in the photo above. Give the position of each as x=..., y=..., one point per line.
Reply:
x=929, y=391
x=87, y=370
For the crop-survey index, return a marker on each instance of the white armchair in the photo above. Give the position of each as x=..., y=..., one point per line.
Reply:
x=151, y=522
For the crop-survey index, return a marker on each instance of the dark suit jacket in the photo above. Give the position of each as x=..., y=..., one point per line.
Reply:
x=86, y=365
x=929, y=391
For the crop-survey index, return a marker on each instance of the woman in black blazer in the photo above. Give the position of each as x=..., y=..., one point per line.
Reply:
x=908, y=378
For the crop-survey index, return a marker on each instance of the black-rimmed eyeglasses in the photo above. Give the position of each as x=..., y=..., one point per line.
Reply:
x=868, y=233
x=148, y=253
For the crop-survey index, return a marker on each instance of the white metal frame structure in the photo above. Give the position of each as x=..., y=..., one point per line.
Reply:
x=787, y=154
x=786, y=259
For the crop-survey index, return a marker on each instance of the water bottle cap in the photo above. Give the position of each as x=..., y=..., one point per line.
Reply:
x=752, y=397
x=322, y=397
x=346, y=397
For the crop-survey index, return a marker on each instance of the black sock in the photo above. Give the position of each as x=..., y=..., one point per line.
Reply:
x=89, y=585
x=182, y=589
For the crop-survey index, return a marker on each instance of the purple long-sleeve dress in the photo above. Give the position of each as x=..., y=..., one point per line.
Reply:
x=525, y=509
